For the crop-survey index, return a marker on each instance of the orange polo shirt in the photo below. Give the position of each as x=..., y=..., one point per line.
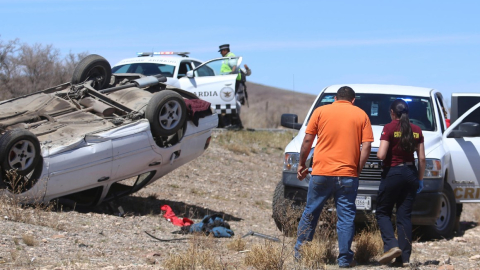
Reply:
x=340, y=128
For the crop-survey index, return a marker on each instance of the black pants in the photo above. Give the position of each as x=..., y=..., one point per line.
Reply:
x=398, y=188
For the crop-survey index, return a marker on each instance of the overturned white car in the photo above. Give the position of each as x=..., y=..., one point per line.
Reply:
x=82, y=140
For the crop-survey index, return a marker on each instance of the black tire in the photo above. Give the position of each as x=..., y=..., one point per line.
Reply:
x=19, y=150
x=166, y=111
x=445, y=223
x=93, y=67
x=284, y=212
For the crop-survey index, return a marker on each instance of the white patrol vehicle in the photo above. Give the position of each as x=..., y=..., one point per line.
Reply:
x=452, y=174
x=207, y=80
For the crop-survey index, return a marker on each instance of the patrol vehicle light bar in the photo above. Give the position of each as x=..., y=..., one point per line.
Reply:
x=140, y=54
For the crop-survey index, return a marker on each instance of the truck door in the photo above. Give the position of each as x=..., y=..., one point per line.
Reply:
x=462, y=141
x=209, y=82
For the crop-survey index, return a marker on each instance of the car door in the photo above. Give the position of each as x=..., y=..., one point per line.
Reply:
x=462, y=141
x=209, y=83
x=80, y=168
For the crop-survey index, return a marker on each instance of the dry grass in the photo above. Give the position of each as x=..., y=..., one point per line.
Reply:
x=246, y=142
x=202, y=253
x=315, y=254
x=29, y=240
x=368, y=243
x=12, y=208
x=237, y=244
x=266, y=256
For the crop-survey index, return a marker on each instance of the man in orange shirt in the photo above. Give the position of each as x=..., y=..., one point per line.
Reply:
x=341, y=130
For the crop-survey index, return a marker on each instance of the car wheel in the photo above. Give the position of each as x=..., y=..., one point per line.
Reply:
x=166, y=111
x=19, y=150
x=445, y=223
x=285, y=213
x=93, y=67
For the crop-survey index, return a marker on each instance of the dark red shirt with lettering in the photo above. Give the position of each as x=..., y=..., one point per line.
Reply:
x=395, y=154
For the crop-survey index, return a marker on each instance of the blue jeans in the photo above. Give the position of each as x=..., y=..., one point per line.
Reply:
x=344, y=189
x=398, y=188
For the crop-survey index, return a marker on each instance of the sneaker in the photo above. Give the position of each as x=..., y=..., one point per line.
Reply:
x=390, y=255
x=350, y=265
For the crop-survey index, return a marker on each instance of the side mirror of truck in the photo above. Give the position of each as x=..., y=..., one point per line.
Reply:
x=289, y=120
x=190, y=74
x=467, y=129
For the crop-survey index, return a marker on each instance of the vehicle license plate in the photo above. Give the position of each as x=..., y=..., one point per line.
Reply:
x=363, y=203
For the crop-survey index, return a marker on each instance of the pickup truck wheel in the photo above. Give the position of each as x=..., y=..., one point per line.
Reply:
x=445, y=223
x=285, y=213
x=19, y=150
x=166, y=111
x=93, y=67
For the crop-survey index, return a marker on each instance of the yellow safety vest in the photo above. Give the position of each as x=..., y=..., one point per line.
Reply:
x=225, y=68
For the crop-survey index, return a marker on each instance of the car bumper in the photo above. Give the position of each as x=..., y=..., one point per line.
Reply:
x=425, y=209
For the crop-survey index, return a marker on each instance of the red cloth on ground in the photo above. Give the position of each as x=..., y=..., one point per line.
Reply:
x=170, y=216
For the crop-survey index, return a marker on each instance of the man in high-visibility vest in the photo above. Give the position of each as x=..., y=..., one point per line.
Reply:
x=227, y=69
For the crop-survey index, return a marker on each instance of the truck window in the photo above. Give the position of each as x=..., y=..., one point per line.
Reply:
x=377, y=107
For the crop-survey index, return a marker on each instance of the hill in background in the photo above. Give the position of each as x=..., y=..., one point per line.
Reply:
x=267, y=104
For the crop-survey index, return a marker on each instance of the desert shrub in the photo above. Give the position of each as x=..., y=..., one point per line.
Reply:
x=368, y=243
x=202, y=253
x=29, y=240
x=13, y=209
x=237, y=244
x=266, y=256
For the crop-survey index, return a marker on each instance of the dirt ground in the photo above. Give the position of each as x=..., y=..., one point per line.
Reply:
x=235, y=179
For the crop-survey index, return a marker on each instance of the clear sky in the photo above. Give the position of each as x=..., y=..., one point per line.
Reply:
x=295, y=45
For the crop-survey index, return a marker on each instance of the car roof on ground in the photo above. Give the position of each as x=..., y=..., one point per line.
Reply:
x=163, y=59
x=383, y=89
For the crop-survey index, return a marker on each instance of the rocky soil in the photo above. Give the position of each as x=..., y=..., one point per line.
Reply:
x=235, y=177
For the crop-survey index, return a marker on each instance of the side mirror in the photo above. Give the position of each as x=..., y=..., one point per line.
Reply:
x=190, y=74
x=467, y=129
x=289, y=120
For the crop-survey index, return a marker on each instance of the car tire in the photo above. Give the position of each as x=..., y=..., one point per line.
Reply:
x=19, y=150
x=93, y=67
x=284, y=212
x=445, y=223
x=166, y=111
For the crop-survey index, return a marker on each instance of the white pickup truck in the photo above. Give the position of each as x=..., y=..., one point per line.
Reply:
x=452, y=174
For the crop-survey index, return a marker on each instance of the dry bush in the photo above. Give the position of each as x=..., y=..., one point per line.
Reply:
x=29, y=240
x=12, y=209
x=202, y=253
x=20, y=258
x=266, y=256
x=237, y=244
x=323, y=248
x=368, y=243
x=25, y=69
x=314, y=254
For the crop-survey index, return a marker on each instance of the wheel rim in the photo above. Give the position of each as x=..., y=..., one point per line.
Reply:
x=97, y=74
x=21, y=155
x=170, y=115
x=444, y=217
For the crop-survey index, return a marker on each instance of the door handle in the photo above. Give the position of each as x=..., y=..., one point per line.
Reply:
x=228, y=84
x=105, y=178
x=154, y=163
